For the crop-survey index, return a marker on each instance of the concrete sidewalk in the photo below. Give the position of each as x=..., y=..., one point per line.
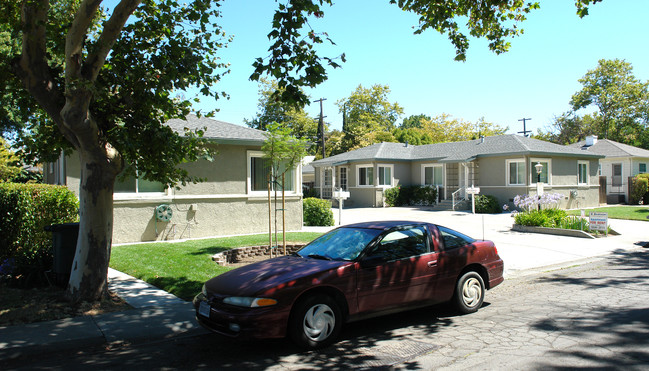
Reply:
x=159, y=315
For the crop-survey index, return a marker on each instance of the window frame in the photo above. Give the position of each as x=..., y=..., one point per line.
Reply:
x=136, y=193
x=508, y=172
x=640, y=171
x=379, y=178
x=259, y=154
x=358, y=176
x=433, y=167
x=587, y=173
x=533, y=174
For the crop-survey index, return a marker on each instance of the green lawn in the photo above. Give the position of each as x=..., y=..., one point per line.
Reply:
x=619, y=212
x=181, y=268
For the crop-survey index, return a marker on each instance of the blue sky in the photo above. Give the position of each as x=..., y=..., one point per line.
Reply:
x=535, y=79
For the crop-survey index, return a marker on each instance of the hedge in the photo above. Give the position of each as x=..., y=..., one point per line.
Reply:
x=317, y=212
x=410, y=195
x=487, y=204
x=25, y=209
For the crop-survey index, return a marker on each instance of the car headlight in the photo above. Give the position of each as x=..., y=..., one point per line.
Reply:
x=249, y=302
x=204, y=291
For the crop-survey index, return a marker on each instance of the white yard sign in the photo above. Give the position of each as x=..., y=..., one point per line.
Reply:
x=598, y=222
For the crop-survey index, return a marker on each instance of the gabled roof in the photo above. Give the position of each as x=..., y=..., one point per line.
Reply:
x=502, y=145
x=610, y=148
x=218, y=131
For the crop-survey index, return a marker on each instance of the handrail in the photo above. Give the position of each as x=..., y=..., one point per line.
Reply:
x=453, y=197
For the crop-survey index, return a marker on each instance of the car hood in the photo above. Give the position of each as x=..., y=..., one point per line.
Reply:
x=277, y=273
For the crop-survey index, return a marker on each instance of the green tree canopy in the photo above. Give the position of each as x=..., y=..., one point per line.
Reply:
x=368, y=111
x=271, y=109
x=621, y=100
x=9, y=163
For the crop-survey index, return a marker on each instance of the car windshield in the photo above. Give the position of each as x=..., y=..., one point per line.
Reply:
x=339, y=244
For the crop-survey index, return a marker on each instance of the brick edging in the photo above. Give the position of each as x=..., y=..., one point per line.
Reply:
x=241, y=253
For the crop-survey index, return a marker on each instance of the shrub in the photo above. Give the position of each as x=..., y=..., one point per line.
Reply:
x=25, y=209
x=639, y=189
x=317, y=212
x=410, y=195
x=486, y=204
x=551, y=218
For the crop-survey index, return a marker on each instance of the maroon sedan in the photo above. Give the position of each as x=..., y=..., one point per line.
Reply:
x=352, y=272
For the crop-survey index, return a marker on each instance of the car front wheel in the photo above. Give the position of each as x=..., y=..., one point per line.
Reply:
x=316, y=322
x=469, y=292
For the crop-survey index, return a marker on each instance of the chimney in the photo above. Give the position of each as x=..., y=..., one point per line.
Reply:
x=591, y=140
x=481, y=139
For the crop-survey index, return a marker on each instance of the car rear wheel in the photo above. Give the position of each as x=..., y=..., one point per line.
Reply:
x=316, y=322
x=469, y=292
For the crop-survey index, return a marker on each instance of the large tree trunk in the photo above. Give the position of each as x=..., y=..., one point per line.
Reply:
x=89, y=270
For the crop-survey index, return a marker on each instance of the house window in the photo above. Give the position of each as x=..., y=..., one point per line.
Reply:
x=259, y=169
x=342, y=178
x=642, y=168
x=385, y=175
x=545, y=172
x=134, y=184
x=433, y=175
x=515, y=172
x=582, y=172
x=365, y=176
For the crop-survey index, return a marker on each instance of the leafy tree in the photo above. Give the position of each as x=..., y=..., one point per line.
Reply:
x=285, y=152
x=621, y=99
x=570, y=128
x=103, y=86
x=368, y=111
x=414, y=121
x=273, y=110
x=9, y=163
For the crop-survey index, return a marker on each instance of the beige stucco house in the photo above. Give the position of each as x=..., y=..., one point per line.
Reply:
x=501, y=166
x=232, y=200
x=620, y=162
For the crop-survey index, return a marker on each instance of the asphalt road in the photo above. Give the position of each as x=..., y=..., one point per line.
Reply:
x=588, y=316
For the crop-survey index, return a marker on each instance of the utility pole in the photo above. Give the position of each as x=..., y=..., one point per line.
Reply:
x=321, y=133
x=524, y=132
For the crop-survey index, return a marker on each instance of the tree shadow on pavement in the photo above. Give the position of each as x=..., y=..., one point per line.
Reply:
x=611, y=331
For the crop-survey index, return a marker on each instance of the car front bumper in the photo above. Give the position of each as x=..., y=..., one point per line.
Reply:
x=242, y=323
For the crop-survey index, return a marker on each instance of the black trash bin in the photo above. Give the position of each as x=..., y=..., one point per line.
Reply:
x=64, y=245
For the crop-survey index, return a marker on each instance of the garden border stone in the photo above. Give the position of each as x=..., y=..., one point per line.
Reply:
x=239, y=254
x=556, y=231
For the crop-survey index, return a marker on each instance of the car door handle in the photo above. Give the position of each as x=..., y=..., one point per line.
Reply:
x=432, y=263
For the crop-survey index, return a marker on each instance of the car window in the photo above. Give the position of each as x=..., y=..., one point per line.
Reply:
x=340, y=244
x=454, y=239
x=402, y=243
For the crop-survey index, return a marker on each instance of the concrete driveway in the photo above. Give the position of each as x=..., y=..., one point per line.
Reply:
x=523, y=253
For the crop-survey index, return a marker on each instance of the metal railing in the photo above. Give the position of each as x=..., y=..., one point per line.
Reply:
x=454, y=195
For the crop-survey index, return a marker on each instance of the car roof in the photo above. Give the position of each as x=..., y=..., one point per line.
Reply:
x=383, y=224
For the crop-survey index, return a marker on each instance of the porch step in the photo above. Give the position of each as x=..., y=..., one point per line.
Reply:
x=448, y=205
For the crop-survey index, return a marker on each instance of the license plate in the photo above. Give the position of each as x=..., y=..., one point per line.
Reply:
x=204, y=309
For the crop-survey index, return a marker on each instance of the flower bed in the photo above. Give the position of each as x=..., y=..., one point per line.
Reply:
x=252, y=253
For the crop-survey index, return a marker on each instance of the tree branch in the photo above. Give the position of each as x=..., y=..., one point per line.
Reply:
x=32, y=67
x=76, y=37
x=112, y=29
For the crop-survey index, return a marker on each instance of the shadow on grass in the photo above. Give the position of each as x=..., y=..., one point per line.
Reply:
x=182, y=287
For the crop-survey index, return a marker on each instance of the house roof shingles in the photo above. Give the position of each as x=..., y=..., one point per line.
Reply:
x=455, y=151
x=219, y=131
x=610, y=148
